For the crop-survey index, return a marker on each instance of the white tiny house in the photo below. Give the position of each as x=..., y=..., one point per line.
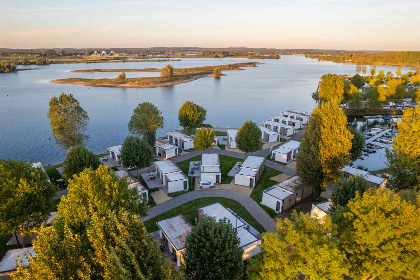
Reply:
x=172, y=178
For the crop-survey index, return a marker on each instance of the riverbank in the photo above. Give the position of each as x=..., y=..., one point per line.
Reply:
x=180, y=76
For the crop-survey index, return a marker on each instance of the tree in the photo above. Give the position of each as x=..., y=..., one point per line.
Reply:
x=136, y=153
x=302, y=246
x=358, y=81
x=404, y=160
x=357, y=143
x=121, y=76
x=346, y=189
x=398, y=72
x=380, y=235
x=217, y=72
x=248, y=138
x=417, y=98
x=39, y=60
x=167, y=71
x=325, y=147
x=144, y=122
x=78, y=158
x=381, y=75
x=26, y=197
x=212, y=251
x=68, y=121
x=331, y=88
x=191, y=115
x=373, y=70
x=204, y=138
x=24, y=61
x=415, y=79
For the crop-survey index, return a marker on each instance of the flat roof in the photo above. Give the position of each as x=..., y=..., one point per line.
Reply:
x=278, y=192
x=167, y=166
x=325, y=206
x=374, y=179
x=123, y=174
x=37, y=165
x=354, y=171
x=165, y=146
x=8, y=262
x=176, y=176
x=219, y=212
x=179, y=134
x=292, y=145
x=252, y=162
x=138, y=186
x=115, y=149
x=291, y=184
x=247, y=172
x=245, y=237
x=282, y=150
x=176, y=229
x=273, y=123
x=266, y=130
x=299, y=112
x=210, y=159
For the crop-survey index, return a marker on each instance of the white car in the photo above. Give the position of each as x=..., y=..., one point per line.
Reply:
x=206, y=184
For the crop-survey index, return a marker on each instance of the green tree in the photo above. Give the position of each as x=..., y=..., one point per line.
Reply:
x=302, y=246
x=331, y=88
x=121, y=76
x=404, y=159
x=204, y=138
x=136, y=153
x=346, y=189
x=191, y=115
x=411, y=196
x=217, y=72
x=380, y=235
x=78, y=158
x=372, y=95
x=357, y=143
x=325, y=147
x=167, y=71
x=358, y=81
x=248, y=138
x=68, y=121
x=212, y=251
x=26, y=197
x=144, y=122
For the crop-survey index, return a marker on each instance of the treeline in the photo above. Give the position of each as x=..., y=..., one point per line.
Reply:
x=364, y=58
x=7, y=67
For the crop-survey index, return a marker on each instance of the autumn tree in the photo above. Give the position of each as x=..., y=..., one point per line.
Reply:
x=217, y=72
x=144, y=122
x=121, y=76
x=167, y=71
x=248, y=137
x=331, y=88
x=346, y=189
x=26, y=197
x=325, y=147
x=399, y=71
x=136, y=153
x=358, y=81
x=204, y=138
x=373, y=70
x=357, y=143
x=404, y=159
x=78, y=158
x=390, y=89
x=191, y=115
x=380, y=235
x=40, y=60
x=212, y=251
x=24, y=61
x=68, y=121
x=302, y=247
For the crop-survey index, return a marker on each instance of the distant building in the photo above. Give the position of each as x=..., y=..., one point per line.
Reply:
x=231, y=136
x=165, y=150
x=371, y=180
x=269, y=135
x=297, y=124
x=180, y=140
x=286, y=152
x=282, y=129
x=115, y=152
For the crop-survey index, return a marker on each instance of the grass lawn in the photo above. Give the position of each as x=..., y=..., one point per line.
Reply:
x=175, y=194
x=53, y=173
x=264, y=183
x=189, y=211
x=185, y=165
x=220, y=133
x=222, y=147
x=226, y=165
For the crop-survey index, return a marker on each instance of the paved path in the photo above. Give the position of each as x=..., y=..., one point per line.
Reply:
x=253, y=208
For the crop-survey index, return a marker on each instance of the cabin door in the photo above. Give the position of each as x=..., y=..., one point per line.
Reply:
x=278, y=205
x=251, y=182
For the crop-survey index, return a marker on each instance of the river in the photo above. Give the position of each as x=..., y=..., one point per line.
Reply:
x=253, y=94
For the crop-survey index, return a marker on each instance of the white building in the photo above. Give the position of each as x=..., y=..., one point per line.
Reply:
x=180, y=140
x=165, y=150
x=269, y=135
x=302, y=118
x=282, y=129
x=174, y=232
x=250, y=171
x=115, y=152
x=303, y=113
x=231, y=136
x=287, y=121
x=133, y=183
x=286, y=152
x=371, y=180
x=285, y=194
x=210, y=168
x=321, y=210
x=8, y=263
x=247, y=241
x=172, y=178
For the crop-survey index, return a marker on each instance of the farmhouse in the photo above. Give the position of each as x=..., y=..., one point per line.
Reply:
x=282, y=129
x=180, y=140
x=115, y=152
x=165, y=150
x=269, y=135
x=248, y=242
x=287, y=152
x=371, y=180
x=174, y=232
x=210, y=168
x=250, y=171
x=171, y=176
x=231, y=137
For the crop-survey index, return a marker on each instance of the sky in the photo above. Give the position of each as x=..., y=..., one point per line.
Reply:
x=307, y=24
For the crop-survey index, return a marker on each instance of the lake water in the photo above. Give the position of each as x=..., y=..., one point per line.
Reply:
x=253, y=94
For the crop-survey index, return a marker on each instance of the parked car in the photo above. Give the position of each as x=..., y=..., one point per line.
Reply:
x=206, y=184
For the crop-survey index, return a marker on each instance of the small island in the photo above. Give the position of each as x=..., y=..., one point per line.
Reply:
x=177, y=76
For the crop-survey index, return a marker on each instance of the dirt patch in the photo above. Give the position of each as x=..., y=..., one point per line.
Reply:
x=280, y=178
x=160, y=196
